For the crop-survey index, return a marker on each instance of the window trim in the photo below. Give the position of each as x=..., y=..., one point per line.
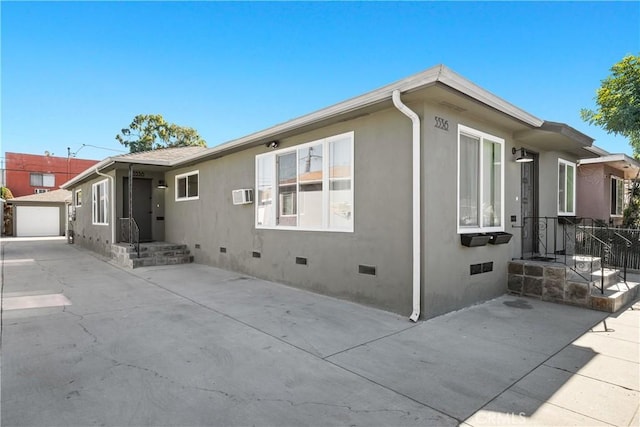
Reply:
x=462, y=129
x=77, y=201
x=186, y=176
x=326, y=179
x=95, y=202
x=620, y=181
x=42, y=176
x=575, y=175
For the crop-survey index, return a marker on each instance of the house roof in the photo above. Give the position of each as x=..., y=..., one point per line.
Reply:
x=628, y=165
x=54, y=196
x=161, y=157
x=439, y=76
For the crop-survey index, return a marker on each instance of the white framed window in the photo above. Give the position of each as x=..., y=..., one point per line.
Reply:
x=566, y=187
x=617, y=196
x=42, y=179
x=480, y=181
x=100, y=203
x=77, y=198
x=307, y=187
x=41, y=190
x=187, y=186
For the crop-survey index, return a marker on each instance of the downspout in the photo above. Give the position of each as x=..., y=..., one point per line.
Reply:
x=416, y=201
x=113, y=205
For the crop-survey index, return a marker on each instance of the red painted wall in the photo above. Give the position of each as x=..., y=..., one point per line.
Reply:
x=20, y=166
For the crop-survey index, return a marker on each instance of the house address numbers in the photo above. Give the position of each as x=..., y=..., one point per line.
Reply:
x=441, y=123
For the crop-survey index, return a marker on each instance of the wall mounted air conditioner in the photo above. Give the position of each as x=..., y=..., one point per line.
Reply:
x=243, y=196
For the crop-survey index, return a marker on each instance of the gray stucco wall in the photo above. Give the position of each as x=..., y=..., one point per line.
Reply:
x=382, y=220
x=86, y=234
x=447, y=283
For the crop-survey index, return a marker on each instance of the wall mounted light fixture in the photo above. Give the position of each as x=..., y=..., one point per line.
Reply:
x=521, y=155
x=162, y=184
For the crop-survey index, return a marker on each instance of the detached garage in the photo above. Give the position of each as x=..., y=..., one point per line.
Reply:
x=40, y=215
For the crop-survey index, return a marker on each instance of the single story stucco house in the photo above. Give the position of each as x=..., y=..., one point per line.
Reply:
x=386, y=199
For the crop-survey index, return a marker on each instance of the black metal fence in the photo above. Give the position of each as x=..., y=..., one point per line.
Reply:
x=559, y=238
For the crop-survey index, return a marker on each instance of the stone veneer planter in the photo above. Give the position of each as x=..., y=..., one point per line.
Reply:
x=548, y=281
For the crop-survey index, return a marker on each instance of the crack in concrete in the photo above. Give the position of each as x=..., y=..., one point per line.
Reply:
x=80, y=319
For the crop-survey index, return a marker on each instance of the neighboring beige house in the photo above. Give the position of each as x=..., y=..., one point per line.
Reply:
x=411, y=198
x=38, y=215
x=603, y=184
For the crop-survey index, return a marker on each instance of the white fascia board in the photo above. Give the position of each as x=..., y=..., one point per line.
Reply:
x=611, y=158
x=87, y=172
x=438, y=74
x=467, y=87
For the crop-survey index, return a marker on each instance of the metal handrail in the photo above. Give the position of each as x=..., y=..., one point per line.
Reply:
x=579, y=235
x=130, y=233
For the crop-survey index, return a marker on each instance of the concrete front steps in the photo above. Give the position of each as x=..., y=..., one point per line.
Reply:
x=578, y=284
x=151, y=254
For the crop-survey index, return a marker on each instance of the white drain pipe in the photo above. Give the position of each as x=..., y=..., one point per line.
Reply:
x=112, y=196
x=416, y=201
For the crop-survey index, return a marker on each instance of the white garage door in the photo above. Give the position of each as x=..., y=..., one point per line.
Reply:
x=37, y=221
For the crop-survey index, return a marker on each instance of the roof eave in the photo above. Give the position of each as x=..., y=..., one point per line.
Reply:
x=438, y=74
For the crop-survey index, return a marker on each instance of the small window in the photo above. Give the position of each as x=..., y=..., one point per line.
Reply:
x=100, y=202
x=41, y=190
x=617, y=196
x=77, y=198
x=480, y=181
x=187, y=186
x=566, y=187
x=42, y=180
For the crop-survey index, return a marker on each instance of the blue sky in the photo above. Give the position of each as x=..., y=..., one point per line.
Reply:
x=76, y=73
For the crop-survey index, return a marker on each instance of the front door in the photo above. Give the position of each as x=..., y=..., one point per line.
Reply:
x=529, y=203
x=142, y=205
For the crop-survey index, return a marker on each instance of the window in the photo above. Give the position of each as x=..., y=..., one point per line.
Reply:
x=77, y=198
x=100, y=199
x=42, y=180
x=617, y=196
x=187, y=186
x=307, y=187
x=41, y=190
x=480, y=181
x=566, y=187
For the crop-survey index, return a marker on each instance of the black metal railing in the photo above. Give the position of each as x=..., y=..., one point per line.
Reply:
x=578, y=243
x=130, y=233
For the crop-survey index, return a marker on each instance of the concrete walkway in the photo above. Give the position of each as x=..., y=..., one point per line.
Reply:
x=192, y=345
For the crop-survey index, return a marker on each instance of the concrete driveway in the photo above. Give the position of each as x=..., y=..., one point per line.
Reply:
x=87, y=343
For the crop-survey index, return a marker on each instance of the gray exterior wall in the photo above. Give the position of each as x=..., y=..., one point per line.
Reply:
x=382, y=234
x=447, y=283
x=382, y=218
x=86, y=234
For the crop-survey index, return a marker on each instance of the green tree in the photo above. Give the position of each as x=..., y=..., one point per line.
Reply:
x=618, y=102
x=151, y=131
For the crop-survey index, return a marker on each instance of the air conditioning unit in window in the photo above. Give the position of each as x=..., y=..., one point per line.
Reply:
x=243, y=196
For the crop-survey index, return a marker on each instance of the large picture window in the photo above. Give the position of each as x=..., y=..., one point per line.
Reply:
x=617, y=196
x=480, y=181
x=566, y=187
x=307, y=187
x=100, y=202
x=187, y=186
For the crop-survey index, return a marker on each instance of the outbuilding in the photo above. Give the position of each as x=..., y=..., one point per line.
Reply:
x=40, y=215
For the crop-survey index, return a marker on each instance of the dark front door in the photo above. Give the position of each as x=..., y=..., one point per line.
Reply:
x=142, y=205
x=529, y=203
